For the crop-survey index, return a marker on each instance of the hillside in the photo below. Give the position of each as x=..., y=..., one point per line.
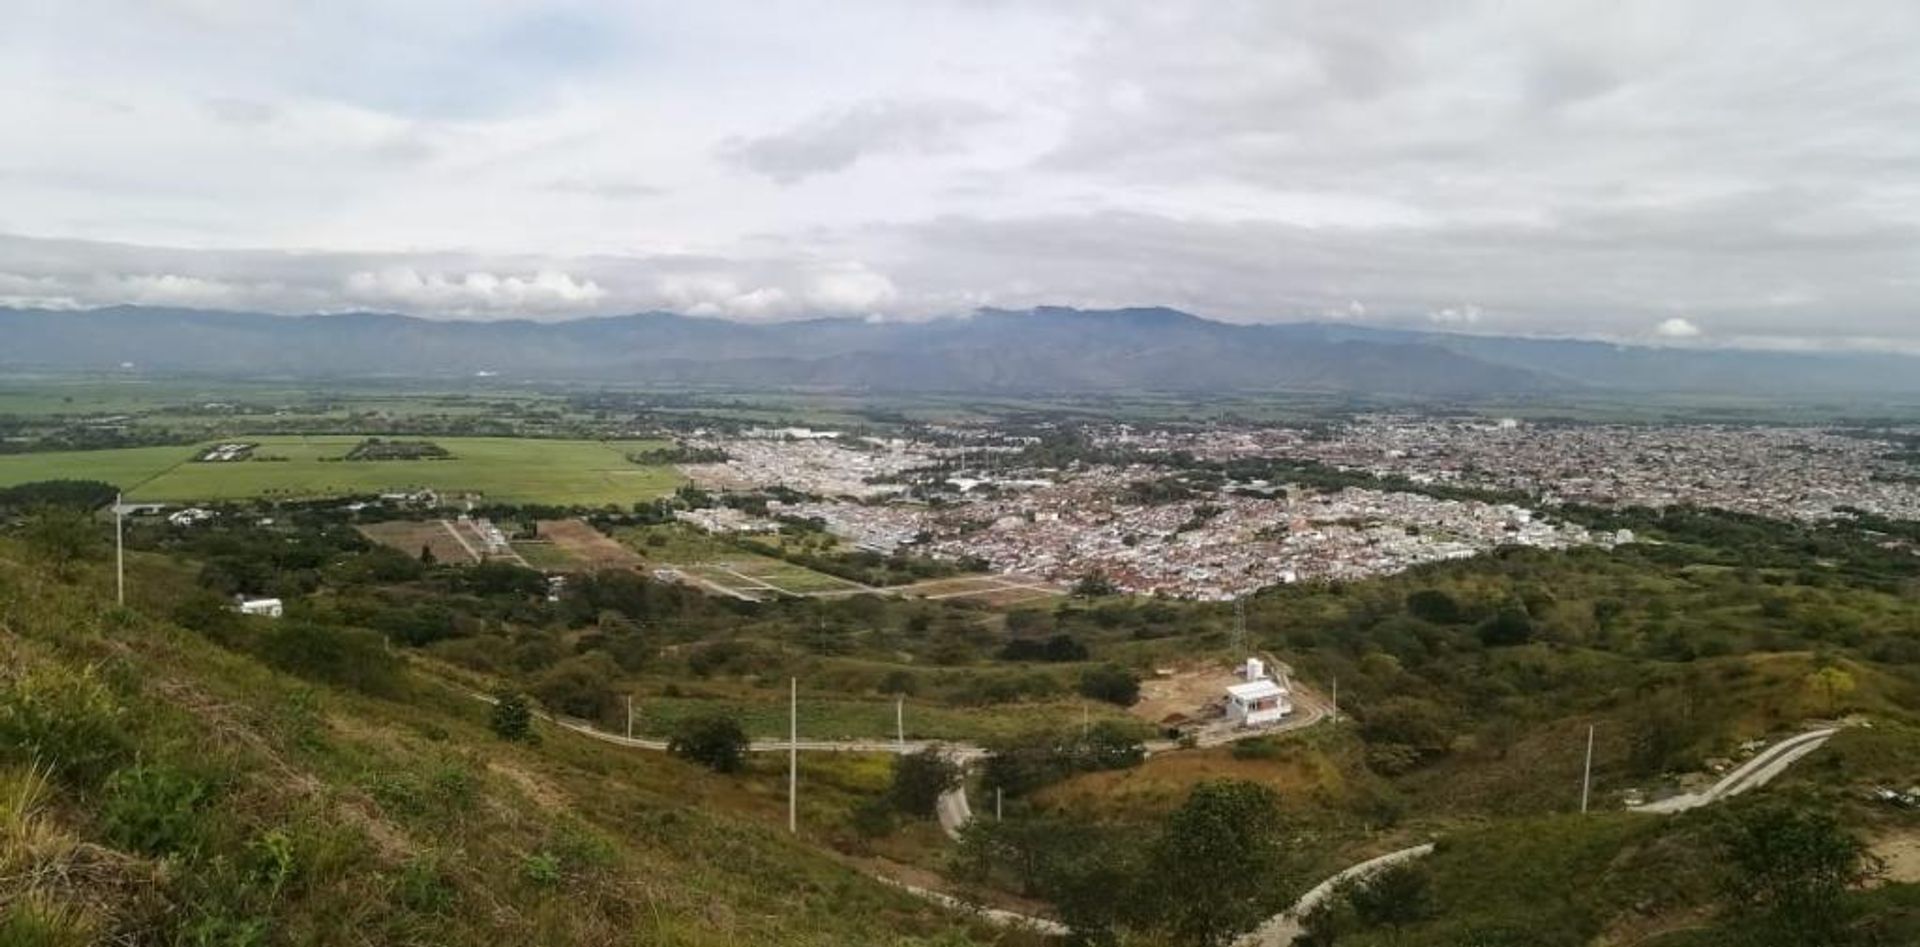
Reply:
x=156, y=788
x=991, y=351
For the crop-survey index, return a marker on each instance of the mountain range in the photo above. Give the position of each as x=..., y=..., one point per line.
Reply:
x=1043, y=350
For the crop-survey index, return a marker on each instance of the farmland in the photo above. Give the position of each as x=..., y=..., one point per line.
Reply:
x=730, y=570
x=522, y=470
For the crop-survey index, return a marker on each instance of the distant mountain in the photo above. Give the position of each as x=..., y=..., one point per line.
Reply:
x=991, y=351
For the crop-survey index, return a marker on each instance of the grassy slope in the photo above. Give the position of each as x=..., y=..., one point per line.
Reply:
x=503, y=469
x=389, y=820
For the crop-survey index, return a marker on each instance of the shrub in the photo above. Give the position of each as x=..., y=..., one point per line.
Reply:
x=511, y=718
x=155, y=809
x=920, y=779
x=542, y=869
x=713, y=740
x=61, y=535
x=66, y=720
x=423, y=887
x=1111, y=683
x=873, y=817
x=580, y=686
x=348, y=657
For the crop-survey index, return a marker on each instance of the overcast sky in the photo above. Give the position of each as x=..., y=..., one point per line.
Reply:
x=1740, y=172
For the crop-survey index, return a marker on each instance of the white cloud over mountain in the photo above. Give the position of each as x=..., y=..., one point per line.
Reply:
x=1578, y=168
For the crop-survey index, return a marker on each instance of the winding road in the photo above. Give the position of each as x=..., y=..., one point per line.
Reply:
x=1282, y=929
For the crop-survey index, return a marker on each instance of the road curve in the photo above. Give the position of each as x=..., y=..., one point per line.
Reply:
x=1752, y=774
x=1281, y=929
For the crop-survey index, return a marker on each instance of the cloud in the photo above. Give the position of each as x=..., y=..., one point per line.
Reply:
x=1677, y=328
x=1454, y=316
x=834, y=141
x=1584, y=168
x=411, y=290
x=850, y=287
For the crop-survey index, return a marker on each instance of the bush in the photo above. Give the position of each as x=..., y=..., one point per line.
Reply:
x=511, y=717
x=65, y=720
x=1111, y=683
x=348, y=657
x=920, y=779
x=61, y=535
x=714, y=741
x=580, y=686
x=873, y=817
x=155, y=809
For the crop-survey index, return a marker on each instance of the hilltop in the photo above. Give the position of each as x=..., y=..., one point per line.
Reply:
x=1043, y=350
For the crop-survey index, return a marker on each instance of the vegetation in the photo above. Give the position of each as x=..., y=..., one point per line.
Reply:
x=920, y=779
x=562, y=472
x=159, y=787
x=713, y=741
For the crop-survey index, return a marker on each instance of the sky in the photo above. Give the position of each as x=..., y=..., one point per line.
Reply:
x=1707, y=172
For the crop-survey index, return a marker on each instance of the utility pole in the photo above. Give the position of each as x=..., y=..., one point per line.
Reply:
x=900, y=722
x=1085, y=725
x=1586, y=782
x=1239, y=628
x=1336, y=698
x=793, y=755
x=119, y=553
x=996, y=803
x=629, y=716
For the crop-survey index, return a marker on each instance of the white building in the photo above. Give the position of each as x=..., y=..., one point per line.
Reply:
x=269, y=607
x=1258, y=703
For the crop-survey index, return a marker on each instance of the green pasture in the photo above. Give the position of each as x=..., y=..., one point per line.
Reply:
x=518, y=470
x=851, y=719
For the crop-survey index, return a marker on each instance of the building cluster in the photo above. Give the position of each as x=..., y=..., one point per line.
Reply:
x=819, y=465
x=1795, y=472
x=1224, y=546
x=1224, y=541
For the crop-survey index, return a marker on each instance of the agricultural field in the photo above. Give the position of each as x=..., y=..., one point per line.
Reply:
x=725, y=568
x=514, y=470
x=410, y=536
x=574, y=543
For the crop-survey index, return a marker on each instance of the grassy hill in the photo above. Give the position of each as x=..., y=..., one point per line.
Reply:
x=157, y=788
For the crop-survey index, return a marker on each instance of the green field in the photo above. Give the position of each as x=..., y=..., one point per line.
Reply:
x=723, y=564
x=521, y=470
x=824, y=718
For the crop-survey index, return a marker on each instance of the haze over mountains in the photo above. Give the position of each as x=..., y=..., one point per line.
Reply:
x=993, y=351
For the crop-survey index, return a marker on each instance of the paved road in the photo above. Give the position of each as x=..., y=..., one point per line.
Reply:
x=1281, y=929
x=952, y=808
x=1752, y=774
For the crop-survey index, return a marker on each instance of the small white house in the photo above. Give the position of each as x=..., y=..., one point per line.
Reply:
x=270, y=607
x=1258, y=703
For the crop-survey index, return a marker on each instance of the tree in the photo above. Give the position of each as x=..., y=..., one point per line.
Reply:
x=1435, y=606
x=512, y=717
x=712, y=740
x=350, y=657
x=1508, y=627
x=60, y=535
x=1398, y=895
x=1094, y=585
x=579, y=686
x=427, y=557
x=1792, y=863
x=920, y=779
x=1214, y=862
x=1833, y=684
x=1111, y=683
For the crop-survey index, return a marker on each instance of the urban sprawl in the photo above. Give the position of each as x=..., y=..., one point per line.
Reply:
x=1164, y=511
